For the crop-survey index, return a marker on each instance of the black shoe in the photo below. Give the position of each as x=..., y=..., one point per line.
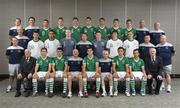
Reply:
x=156, y=93
x=150, y=93
x=17, y=94
x=64, y=95
x=26, y=94
x=50, y=95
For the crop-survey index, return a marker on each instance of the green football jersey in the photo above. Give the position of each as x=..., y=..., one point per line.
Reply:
x=59, y=63
x=136, y=65
x=105, y=32
x=120, y=63
x=43, y=34
x=119, y=31
x=90, y=31
x=44, y=63
x=90, y=63
x=125, y=33
x=60, y=32
x=76, y=33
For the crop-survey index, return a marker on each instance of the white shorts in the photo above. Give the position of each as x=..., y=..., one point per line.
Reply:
x=105, y=74
x=13, y=69
x=121, y=75
x=167, y=69
x=137, y=74
x=75, y=74
x=90, y=74
x=59, y=74
x=41, y=74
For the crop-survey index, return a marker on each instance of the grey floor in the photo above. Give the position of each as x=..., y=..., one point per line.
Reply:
x=164, y=100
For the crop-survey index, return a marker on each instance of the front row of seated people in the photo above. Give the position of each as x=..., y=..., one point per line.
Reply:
x=90, y=69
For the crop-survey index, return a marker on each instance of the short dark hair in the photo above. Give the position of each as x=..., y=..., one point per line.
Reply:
x=75, y=18
x=135, y=50
x=32, y=18
x=114, y=31
x=116, y=20
x=88, y=18
x=101, y=19
x=51, y=31
x=46, y=20
x=18, y=19
x=43, y=49
x=59, y=48
x=61, y=18
x=98, y=32
x=121, y=48
x=35, y=32
x=128, y=20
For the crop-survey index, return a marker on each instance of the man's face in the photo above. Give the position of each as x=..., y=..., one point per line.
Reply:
x=45, y=24
x=90, y=52
x=75, y=53
x=130, y=35
x=114, y=35
x=163, y=39
x=156, y=25
x=88, y=22
x=142, y=23
x=59, y=53
x=68, y=32
x=129, y=24
x=84, y=37
x=44, y=52
x=27, y=53
x=152, y=51
x=136, y=54
x=98, y=35
x=105, y=54
x=60, y=22
x=14, y=41
x=31, y=21
x=20, y=31
x=35, y=36
x=120, y=52
x=102, y=22
x=51, y=35
x=147, y=39
x=116, y=23
x=75, y=22
x=17, y=22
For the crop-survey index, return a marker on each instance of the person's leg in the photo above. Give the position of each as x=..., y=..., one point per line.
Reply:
x=79, y=76
x=98, y=80
x=158, y=85
x=84, y=75
x=18, y=87
x=127, y=83
x=35, y=84
x=47, y=82
x=69, y=85
x=143, y=83
x=65, y=84
x=168, y=70
x=12, y=69
x=110, y=78
x=115, y=83
x=29, y=86
x=149, y=84
x=132, y=83
x=51, y=84
x=103, y=75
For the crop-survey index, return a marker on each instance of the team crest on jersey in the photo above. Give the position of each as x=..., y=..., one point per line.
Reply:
x=85, y=30
x=24, y=40
x=111, y=45
x=144, y=32
x=43, y=33
x=11, y=51
x=58, y=32
x=95, y=45
x=167, y=47
x=79, y=62
x=102, y=43
x=18, y=51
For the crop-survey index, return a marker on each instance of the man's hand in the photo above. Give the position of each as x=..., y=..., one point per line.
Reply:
x=29, y=75
x=19, y=76
x=159, y=77
x=149, y=76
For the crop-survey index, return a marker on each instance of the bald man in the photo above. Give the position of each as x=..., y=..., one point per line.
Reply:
x=166, y=51
x=25, y=73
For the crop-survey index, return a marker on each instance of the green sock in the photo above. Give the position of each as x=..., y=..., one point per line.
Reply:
x=51, y=85
x=85, y=84
x=143, y=85
x=34, y=81
x=64, y=85
x=115, y=84
x=133, y=85
x=128, y=85
x=97, y=84
x=47, y=85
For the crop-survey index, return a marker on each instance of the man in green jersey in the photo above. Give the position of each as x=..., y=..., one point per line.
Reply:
x=137, y=72
x=60, y=29
x=116, y=27
x=76, y=29
x=121, y=71
x=89, y=29
x=105, y=32
x=129, y=28
x=43, y=33
x=43, y=71
x=90, y=71
x=59, y=68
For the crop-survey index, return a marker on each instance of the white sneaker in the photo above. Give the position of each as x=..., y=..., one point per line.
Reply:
x=69, y=95
x=128, y=94
x=115, y=93
x=35, y=93
x=8, y=89
x=169, y=88
x=46, y=92
x=80, y=94
x=111, y=93
x=143, y=94
x=104, y=94
x=162, y=88
x=133, y=93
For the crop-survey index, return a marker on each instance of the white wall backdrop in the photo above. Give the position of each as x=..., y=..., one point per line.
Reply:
x=165, y=11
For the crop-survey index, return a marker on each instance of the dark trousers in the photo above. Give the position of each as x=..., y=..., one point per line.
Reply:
x=27, y=83
x=158, y=85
